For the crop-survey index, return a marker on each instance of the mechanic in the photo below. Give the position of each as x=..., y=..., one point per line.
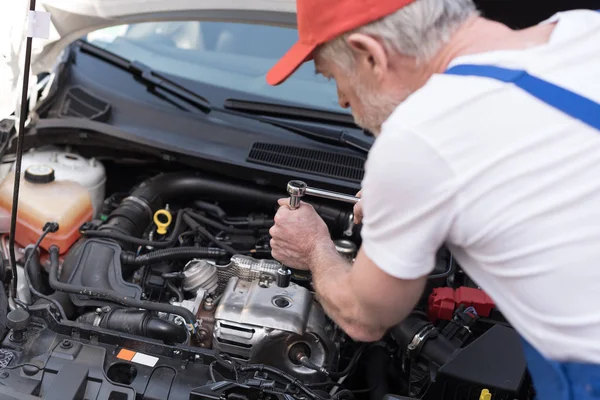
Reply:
x=501, y=165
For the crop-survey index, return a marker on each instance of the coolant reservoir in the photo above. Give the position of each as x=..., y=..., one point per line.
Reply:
x=69, y=166
x=42, y=199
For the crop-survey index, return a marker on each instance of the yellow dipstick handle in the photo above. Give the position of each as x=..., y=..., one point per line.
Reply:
x=485, y=395
x=162, y=219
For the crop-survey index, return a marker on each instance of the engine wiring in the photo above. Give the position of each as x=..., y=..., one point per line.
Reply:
x=230, y=364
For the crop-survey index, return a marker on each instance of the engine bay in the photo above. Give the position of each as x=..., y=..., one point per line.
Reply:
x=139, y=282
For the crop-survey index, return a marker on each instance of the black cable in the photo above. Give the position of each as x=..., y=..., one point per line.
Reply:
x=446, y=273
x=175, y=291
x=48, y=228
x=171, y=241
x=19, y=156
x=272, y=370
x=23, y=365
x=353, y=362
x=111, y=295
x=196, y=226
x=230, y=365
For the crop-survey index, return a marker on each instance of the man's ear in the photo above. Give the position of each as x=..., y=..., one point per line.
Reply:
x=369, y=52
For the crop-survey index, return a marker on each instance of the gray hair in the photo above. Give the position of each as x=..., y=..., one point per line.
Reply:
x=418, y=30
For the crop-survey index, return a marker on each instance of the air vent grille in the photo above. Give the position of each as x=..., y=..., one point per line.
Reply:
x=324, y=163
x=81, y=103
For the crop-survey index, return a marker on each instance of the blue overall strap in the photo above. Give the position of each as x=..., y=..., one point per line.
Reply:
x=579, y=107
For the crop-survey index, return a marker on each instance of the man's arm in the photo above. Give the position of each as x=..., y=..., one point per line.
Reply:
x=409, y=201
x=362, y=299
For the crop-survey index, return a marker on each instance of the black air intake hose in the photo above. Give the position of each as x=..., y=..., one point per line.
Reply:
x=421, y=339
x=110, y=295
x=177, y=253
x=137, y=322
x=135, y=213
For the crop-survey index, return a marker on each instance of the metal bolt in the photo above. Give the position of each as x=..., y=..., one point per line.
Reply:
x=209, y=304
x=3, y=375
x=66, y=344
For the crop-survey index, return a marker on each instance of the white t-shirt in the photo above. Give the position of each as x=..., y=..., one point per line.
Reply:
x=508, y=183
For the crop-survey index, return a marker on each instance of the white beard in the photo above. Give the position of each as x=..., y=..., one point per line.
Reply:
x=377, y=107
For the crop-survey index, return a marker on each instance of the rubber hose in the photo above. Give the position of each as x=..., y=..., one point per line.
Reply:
x=138, y=322
x=212, y=208
x=177, y=253
x=121, y=237
x=135, y=213
x=175, y=291
x=110, y=295
x=437, y=348
x=34, y=271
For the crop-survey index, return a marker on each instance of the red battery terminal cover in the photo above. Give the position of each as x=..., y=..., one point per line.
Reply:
x=443, y=302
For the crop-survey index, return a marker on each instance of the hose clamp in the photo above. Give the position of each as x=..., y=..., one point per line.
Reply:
x=140, y=202
x=415, y=346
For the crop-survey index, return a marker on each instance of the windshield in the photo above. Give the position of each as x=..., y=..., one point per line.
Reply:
x=232, y=55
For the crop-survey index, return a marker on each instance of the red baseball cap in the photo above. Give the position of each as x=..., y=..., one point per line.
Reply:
x=320, y=21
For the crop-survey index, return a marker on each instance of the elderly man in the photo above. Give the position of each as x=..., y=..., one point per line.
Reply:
x=501, y=165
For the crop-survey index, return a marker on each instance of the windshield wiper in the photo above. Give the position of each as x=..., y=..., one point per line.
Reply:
x=307, y=122
x=170, y=90
x=292, y=112
x=321, y=133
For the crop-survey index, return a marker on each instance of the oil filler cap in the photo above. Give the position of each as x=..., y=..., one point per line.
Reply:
x=39, y=173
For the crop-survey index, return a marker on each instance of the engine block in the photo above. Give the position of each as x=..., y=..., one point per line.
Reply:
x=260, y=322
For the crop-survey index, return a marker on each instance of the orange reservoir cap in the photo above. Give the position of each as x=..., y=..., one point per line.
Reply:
x=42, y=199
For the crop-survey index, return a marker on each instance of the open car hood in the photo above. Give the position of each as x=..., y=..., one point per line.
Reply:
x=71, y=19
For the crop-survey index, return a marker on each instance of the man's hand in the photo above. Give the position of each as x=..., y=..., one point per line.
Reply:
x=358, y=210
x=297, y=235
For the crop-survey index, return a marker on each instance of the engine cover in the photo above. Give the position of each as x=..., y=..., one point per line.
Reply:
x=260, y=322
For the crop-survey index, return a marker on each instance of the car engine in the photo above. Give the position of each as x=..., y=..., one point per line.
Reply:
x=176, y=266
